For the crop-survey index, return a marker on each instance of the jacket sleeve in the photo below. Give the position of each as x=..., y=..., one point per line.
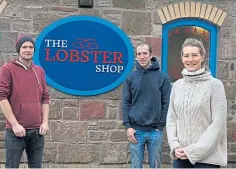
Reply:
x=171, y=125
x=5, y=83
x=214, y=133
x=126, y=103
x=165, y=99
x=45, y=96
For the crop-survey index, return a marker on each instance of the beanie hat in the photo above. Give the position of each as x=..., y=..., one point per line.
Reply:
x=22, y=39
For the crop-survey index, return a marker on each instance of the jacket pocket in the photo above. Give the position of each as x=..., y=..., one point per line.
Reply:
x=30, y=114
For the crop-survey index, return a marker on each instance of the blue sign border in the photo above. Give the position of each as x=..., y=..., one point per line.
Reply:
x=57, y=23
x=213, y=29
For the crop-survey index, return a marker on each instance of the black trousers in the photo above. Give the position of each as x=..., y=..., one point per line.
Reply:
x=186, y=164
x=33, y=143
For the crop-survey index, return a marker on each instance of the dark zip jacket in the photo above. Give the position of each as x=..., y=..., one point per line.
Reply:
x=145, y=98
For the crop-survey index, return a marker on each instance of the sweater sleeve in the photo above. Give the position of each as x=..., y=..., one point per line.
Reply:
x=171, y=125
x=126, y=103
x=213, y=134
x=46, y=96
x=165, y=99
x=5, y=83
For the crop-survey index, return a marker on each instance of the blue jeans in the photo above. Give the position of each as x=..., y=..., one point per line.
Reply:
x=186, y=164
x=33, y=143
x=153, y=140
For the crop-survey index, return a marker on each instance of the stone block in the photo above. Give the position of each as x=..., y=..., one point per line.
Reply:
x=114, y=153
x=106, y=125
x=93, y=125
x=166, y=149
x=155, y=43
x=232, y=147
x=231, y=107
x=90, y=12
x=226, y=49
x=113, y=109
x=4, y=58
x=233, y=45
x=50, y=152
x=2, y=117
x=98, y=135
x=232, y=157
x=165, y=140
x=115, y=16
x=55, y=109
x=56, y=94
x=70, y=2
x=151, y=4
x=21, y=25
x=70, y=113
x=78, y=153
x=228, y=22
x=129, y=4
x=30, y=10
x=231, y=70
x=92, y=110
x=2, y=125
x=222, y=71
x=47, y=136
x=70, y=132
x=156, y=18
x=225, y=32
x=157, y=31
x=230, y=89
x=8, y=41
x=231, y=9
x=231, y=133
x=2, y=145
x=2, y=136
x=64, y=9
x=5, y=24
x=114, y=94
x=47, y=2
x=120, y=125
x=132, y=27
x=166, y=158
x=2, y=155
x=112, y=113
x=136, y=40
x=41, y=20
x=118, y=136
x=13, y=11
x=70, y=103
x=230, y=165
x=102, y=3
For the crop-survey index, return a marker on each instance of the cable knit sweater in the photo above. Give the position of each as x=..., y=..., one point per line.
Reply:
x=196, y=118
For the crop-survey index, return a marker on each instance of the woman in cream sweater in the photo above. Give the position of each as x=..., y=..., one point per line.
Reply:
x=196, y=119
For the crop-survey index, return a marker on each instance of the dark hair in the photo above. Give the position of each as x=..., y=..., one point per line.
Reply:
x=196, y=43
x=143, y=44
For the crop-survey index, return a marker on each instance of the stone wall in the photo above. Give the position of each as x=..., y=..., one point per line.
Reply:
x=88, y=131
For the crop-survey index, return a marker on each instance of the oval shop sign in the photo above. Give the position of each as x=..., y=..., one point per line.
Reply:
x=84, y=55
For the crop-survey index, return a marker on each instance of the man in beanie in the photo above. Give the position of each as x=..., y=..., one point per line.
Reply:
x=24, y=100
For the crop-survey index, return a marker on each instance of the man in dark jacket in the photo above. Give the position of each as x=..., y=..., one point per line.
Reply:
x=24, y=100
x=145, y=101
